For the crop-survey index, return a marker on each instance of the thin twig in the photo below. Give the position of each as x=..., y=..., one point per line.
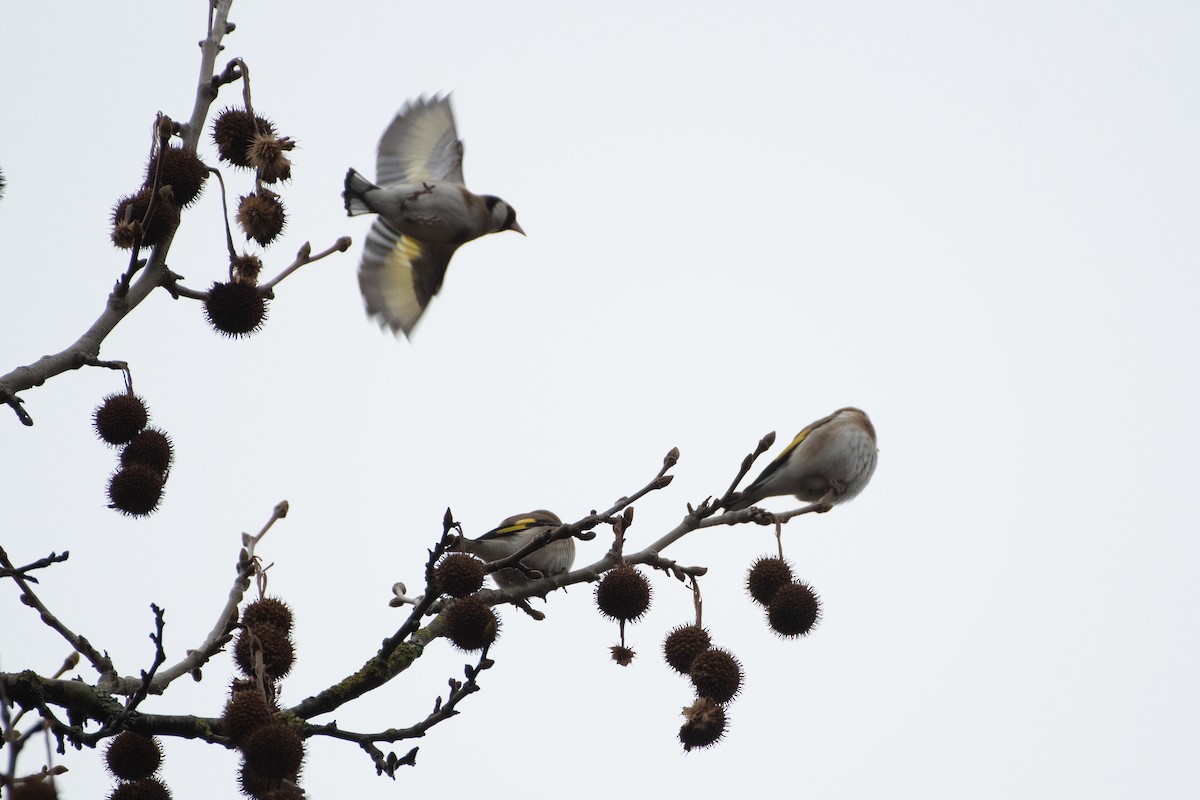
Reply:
x=386, y=765
x=101, y=663
x=171, y=282
x=399, y=651
x=231, y=73
x=651, y=555
x=123, y=366
x=305, y=256
x=11, y=399
x=163, y=127
x=160, y=657
x=41, y=563
x=764, y=444
x=582, y=528
x=245, y=70
x=222, y=630
x=225, y=218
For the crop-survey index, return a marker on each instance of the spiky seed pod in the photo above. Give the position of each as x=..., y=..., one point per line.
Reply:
x=132, y=208
x=124, y=234
x=261, y=217
x=622, y=655
x=794, y=610
x=135, y=490
x=131, y=756
x=288, y=791
x=268, y=611
x=274, y=751
x=704, y=724
x=717, y=675
x=151, y=447
x=120, y=417
x=246, y=268
x=244, y=711
x=623, y=594
x=471, y=624
x=237, y=685
x=683, y=644
x=143, y=789
x=235, y=309
x=252, y=784
x=233, y=131
x=766, y=575
x=182, y=170
x=33, y=790
x=266, y=154
x=459, y=574
x=277, y=650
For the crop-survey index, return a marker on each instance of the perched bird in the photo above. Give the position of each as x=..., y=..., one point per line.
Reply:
x=833, y=459
x=513, y=534
x=425, y=212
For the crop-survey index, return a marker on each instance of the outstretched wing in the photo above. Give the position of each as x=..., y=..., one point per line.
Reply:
x=399, y=275
x=421, y=144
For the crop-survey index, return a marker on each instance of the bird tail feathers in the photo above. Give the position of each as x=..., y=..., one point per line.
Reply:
x=740, y=505
x=749, y=496
x=355, y=193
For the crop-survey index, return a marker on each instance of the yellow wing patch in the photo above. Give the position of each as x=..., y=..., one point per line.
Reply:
x=519, y=525
x=390, y=289
x=800, y=437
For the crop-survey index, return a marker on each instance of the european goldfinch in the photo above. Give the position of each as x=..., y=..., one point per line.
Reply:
x=832, y=459
x=514, y=533
x=425, y=212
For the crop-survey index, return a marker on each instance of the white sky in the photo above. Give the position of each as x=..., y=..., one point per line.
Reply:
x=977, y=221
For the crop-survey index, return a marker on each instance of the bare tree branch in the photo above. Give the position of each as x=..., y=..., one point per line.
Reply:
x=152, y=275
x=217, y=638
x=222, y=630
x=651, y=555
x=398, y=652
x=100, y=662
x=135, y=699
x=764, y=444
x=68, y=708
x=41, y=563
x=83, y=703
x=305, y=256
x=386, y=765
x=582, y=528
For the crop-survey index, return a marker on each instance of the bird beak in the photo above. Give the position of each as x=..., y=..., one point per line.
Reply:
x=517, y=228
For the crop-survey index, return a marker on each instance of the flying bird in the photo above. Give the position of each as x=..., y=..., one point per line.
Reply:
x=831, y=459
x=425, y=212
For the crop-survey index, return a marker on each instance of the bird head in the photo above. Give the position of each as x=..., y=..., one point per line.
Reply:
x=504, y=216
